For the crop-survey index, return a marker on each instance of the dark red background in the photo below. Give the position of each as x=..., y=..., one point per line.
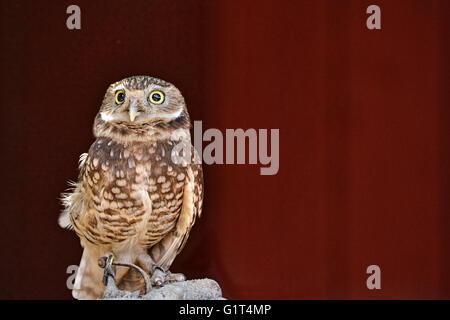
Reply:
x=364, y=138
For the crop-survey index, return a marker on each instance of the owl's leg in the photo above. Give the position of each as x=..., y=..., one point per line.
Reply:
x=147, y=263
x=88, y=281
x=113, y=271
x=109, y=269
x=159, y=276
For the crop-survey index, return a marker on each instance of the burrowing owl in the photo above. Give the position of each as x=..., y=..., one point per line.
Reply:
x=140, y=186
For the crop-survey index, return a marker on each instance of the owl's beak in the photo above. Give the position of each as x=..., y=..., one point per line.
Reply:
x=133, y=111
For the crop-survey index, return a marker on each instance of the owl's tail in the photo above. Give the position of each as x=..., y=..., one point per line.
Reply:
x=88, y=281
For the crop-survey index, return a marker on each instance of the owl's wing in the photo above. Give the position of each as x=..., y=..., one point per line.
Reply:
x=164, y=252
x=72, y=200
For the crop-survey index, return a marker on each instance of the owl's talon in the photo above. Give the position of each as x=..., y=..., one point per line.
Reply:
x=174, y=277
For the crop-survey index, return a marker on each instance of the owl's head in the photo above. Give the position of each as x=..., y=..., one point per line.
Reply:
x=139, y=106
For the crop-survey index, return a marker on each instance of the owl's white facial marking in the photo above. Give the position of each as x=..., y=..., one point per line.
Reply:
x=107, y=117
x=119, y=87
x=168, y=116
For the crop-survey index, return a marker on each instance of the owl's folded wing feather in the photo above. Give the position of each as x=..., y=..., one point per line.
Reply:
x=165, y=252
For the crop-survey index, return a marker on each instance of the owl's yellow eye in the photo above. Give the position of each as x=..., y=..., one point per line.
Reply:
x=156, y=97
x=120, y=96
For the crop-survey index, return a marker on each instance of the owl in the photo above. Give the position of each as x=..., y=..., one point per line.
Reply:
x=140, y=186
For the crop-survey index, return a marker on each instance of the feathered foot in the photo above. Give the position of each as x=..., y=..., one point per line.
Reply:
x=161, y=277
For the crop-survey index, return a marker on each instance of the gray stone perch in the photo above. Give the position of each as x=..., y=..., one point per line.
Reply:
x=201, y=289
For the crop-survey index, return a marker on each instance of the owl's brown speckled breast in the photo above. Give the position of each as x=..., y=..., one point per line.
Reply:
x=131, y=190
